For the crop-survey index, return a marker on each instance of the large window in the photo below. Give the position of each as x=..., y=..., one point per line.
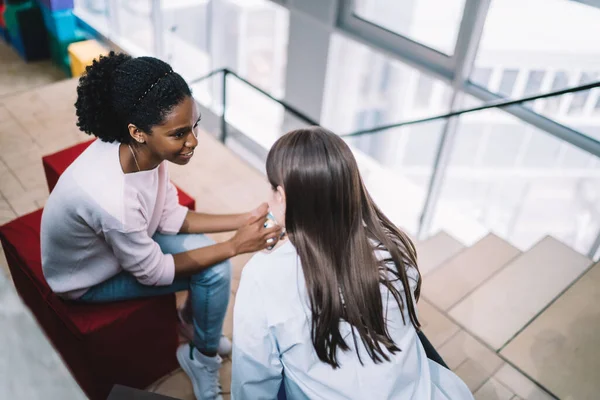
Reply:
x=186, y=36
x=361, y=80
x=393, y=61
x=250, y=38
x=433, y=23
x=510, y=177
x=95, y=13
x=135, y=27
x=542, y=52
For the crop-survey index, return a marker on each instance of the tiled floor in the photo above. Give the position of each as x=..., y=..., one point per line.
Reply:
x=519, y=291
x=561, y=347
x=475, y=301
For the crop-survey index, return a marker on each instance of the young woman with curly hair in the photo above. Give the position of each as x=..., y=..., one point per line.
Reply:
x=113, y=229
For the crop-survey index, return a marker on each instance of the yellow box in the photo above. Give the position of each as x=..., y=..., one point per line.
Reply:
x=83, y=54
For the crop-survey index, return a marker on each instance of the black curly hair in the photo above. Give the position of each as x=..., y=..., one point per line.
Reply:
x=118, y=90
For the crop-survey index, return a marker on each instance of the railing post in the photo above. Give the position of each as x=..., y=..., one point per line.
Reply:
x=224, y=105
x=465, y=53
x=438, y=173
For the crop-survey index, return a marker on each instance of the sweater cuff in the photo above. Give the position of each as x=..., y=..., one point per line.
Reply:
x=168, y=273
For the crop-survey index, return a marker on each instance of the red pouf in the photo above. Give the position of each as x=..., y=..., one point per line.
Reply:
x=132, y=343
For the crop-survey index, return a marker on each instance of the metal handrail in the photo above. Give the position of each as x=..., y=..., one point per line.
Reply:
x=285, y=105
x=501, y=103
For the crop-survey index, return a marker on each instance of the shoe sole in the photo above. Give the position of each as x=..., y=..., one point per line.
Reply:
x=181, y=358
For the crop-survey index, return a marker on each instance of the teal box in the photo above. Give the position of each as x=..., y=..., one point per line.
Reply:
x=60, y=24
x=59, y=51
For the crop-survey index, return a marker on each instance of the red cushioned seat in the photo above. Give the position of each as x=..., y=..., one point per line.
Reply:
x=55, y=164
x=130, y=342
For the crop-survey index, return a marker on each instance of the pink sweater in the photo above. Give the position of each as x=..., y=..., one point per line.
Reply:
x=99, y=221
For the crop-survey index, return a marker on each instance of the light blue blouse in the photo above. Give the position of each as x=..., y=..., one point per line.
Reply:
x=272, y=345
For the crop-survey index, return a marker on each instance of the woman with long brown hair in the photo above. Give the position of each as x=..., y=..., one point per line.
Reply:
x=331, y=312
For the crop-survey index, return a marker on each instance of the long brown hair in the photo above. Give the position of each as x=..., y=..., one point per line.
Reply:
x=336, y=229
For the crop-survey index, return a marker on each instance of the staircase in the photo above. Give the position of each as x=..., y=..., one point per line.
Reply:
x=513, y=324
x=503, y=319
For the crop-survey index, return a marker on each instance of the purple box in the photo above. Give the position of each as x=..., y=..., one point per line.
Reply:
x=57, y=5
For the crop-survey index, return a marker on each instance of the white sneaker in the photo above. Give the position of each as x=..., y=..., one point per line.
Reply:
x=186, y=329
x=203, y=371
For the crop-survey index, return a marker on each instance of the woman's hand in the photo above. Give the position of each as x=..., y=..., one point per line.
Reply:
x=253, y=236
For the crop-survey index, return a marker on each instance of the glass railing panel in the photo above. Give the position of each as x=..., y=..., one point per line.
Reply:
x=397, y=165
x=136, y=28
x=519, y=182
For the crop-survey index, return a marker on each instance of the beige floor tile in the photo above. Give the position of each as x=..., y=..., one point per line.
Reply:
x=455, y=279
x=4, y=114
x=17, y=160
x=493, y=390
x=15, y=75
x=436, y=326
x=177, y=385
x=436, y=250
x=520, y=384
x=27, y=202
x=472, y=374
x=66, y=90
x=41, y=203
x=561, y=348
x=499, y=308
x=463, y=346
x=15, y=143
x=31, y=176
x=10, y=185
x=6, y=212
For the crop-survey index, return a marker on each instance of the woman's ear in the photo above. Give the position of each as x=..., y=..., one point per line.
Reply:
x=280, y=194
x=136, y=133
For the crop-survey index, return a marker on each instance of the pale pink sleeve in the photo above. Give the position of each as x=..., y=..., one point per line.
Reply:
x=173, y=213
x=141, y=256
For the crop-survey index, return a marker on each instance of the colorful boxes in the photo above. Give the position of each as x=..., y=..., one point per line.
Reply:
x=60, y=24
x=26, y=29
x=57, y=5
x=2, y=22
x=59, y=51
x=4, y=35
x=82, y=54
